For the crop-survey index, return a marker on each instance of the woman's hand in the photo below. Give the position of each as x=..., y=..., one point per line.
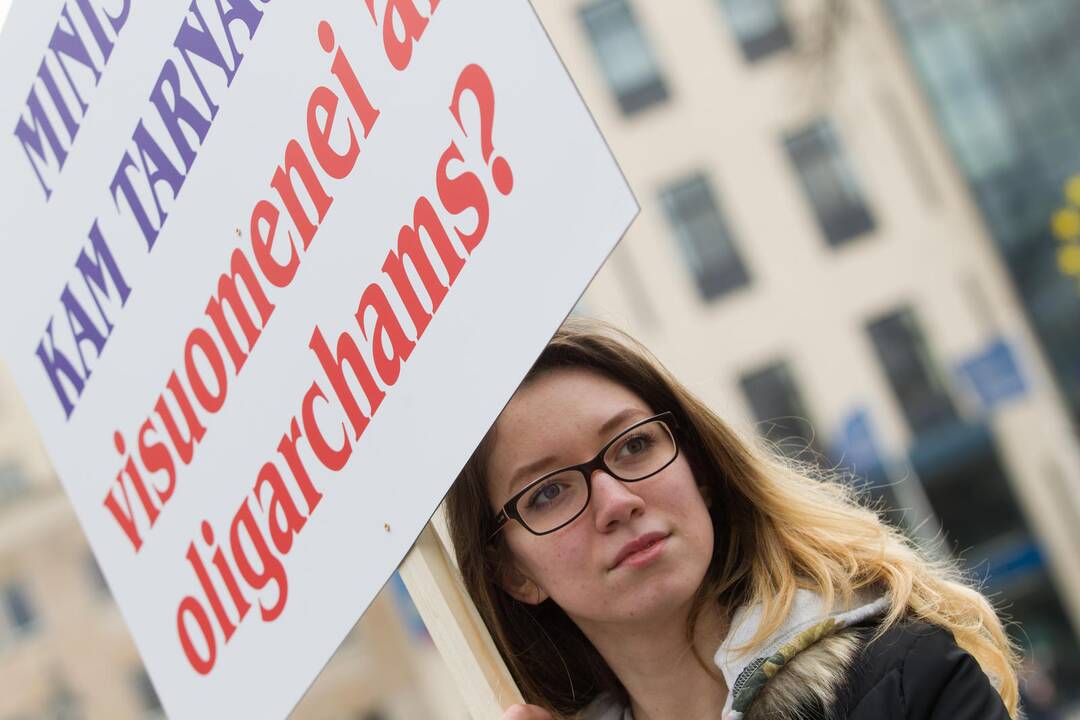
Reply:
x=527, y=712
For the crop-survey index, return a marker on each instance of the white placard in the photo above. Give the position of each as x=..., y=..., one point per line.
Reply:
x=206, y=207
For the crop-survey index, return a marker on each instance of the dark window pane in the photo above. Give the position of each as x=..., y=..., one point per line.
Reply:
x=829, y=183
x=12, y=481
x=95, y=576
x=624, y=55
x=966, y=485
x=759, y=25
x=19, y=610
x=61, y=701
x=780, y=412
x=703, y=236
x=902, y=351
x=144, y=691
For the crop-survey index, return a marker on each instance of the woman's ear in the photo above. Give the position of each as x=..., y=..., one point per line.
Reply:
x=519, y=586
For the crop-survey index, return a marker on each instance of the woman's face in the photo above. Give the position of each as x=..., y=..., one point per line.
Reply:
x=563, y=418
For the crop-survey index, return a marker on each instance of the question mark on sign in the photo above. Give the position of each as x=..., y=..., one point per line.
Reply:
x=474, y=80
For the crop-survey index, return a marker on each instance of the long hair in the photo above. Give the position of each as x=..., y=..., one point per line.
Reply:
x=777, y=529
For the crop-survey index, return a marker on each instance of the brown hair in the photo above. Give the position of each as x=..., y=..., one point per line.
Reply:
x=777, y=528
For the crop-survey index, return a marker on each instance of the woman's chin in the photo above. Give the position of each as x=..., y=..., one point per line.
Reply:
x=654, y=599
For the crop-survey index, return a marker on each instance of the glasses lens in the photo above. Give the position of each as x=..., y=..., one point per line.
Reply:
x=553, y=501
x=641, y=451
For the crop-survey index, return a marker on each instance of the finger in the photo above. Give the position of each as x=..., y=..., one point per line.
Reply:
x=526, y=712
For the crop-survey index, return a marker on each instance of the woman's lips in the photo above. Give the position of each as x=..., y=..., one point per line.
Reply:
x=641, y=551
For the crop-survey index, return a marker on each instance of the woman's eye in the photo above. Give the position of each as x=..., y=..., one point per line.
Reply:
x=635, y=445
x=545, y=495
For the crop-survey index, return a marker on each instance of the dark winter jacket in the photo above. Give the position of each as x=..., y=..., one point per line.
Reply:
x=825, y=665
x=914, y=671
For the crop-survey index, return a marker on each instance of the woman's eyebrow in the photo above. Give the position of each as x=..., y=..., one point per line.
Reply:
x=525, y=471
x=619, y=420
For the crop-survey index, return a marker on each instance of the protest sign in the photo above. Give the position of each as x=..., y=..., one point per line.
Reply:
x=269, y=272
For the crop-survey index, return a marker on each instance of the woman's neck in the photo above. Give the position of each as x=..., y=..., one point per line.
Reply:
x=657, y=665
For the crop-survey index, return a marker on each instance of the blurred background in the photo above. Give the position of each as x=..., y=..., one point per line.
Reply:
x=859, y=237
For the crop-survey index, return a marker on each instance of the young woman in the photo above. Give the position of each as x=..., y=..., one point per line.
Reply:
x=634, y=558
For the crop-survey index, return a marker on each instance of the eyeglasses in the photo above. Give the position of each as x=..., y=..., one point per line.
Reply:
x=558, y=498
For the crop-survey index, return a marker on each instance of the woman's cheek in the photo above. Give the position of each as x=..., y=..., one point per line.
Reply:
x=566, y=566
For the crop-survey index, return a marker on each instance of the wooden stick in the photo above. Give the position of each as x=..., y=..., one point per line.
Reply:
x=451, y=618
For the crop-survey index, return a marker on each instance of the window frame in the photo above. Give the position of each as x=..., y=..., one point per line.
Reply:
x=763, y=44
x=814, y=151
x=700, y=254
x=648, y=91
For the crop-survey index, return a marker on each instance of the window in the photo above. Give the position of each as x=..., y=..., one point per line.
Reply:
x=20, y=613
x=61, y=701
x=624, y=55
x=759, y=26
x=12, y=481
x=778, y=407
x=965, y=482
x=94, y=575
x=703, y=236
x=146, y=695
x=829, y=183
x=902, y=351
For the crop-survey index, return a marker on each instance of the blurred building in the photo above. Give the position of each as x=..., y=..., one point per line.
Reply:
x=848, y=252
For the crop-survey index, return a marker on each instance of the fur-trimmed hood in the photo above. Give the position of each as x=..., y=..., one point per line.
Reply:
x=799, y=668
x=812, y=647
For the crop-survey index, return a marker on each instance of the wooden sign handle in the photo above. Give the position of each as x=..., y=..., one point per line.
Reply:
x=436, y=588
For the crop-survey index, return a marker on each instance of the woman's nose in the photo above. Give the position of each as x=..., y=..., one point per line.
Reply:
x=613, y=501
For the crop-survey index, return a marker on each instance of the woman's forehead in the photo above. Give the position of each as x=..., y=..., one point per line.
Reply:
x=575, y=397
x=562, y=411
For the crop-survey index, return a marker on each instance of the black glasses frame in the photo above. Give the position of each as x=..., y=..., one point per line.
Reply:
x=509, y=509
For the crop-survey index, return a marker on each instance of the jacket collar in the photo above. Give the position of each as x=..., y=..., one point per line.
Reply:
x=746, y=670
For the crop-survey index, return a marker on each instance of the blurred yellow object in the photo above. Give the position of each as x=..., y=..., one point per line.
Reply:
x=1072, y=190
x=1069, y=260
x=1066, y=224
